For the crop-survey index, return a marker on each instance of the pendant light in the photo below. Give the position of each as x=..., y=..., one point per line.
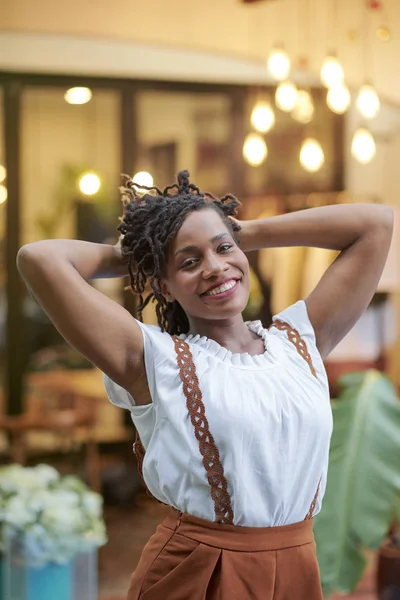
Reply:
x=363, y=147
x=311, y=155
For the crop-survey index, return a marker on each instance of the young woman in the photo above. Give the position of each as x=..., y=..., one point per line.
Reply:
x=234, y=419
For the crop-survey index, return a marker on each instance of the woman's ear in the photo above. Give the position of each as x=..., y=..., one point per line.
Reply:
x=165, y=292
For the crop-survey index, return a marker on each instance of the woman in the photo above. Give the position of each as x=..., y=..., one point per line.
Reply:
x=234, y=418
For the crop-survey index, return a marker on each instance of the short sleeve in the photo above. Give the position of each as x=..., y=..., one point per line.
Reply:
x=296, y=316
x=158, y=350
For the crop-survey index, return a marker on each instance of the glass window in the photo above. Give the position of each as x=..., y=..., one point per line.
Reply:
x=70, y=173
x=3, y=204
x=182, y=130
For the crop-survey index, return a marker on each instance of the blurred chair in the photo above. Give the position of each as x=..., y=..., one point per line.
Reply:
x=54, y=406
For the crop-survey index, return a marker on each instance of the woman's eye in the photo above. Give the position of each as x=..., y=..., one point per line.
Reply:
x=188, y=263
x=224, y=247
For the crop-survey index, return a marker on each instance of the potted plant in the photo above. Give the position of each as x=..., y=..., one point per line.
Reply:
x=50, y=529
x=363, y=480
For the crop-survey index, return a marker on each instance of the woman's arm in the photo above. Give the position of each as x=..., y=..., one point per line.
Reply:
x=56, y=273
x=361, y=232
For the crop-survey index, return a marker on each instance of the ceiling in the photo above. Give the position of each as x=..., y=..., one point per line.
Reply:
x=230, y=29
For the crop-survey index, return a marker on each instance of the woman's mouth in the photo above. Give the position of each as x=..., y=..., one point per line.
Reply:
x=222, y=291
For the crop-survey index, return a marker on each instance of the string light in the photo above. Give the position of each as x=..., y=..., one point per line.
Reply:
x=78, y=95
x=255, y=149
x=332, y=73
x=286, y=96
x=89, y=184
x=262, y=117
x=143, y=178
x=3, y=173
x=363, y=147
x=279, y=64
x=3, y=194
x=311, y=155
x=339, y=99
x=368, y=102
x=304, y=109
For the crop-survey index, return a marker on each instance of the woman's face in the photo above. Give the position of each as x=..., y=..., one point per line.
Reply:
x=207, y=273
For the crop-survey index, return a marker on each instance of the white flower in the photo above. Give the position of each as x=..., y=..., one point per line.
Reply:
x=93, y=503
x=53, y=518
x=46, y=475
x=18, y=513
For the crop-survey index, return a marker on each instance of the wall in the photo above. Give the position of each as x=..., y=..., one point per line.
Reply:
x=36, y=36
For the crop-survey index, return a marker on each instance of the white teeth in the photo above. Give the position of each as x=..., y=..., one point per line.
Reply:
x=222, y=288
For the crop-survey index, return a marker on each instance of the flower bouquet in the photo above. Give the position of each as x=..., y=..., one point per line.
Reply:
x=50, y=529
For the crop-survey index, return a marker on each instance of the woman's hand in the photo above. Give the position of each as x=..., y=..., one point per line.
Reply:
x=246, y=234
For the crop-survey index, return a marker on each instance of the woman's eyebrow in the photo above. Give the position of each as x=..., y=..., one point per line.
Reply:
x=193, y=248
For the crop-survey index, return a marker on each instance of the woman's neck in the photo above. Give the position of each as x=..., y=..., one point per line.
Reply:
x=232, y=334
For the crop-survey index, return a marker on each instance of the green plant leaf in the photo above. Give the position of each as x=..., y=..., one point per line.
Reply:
x=363, y=478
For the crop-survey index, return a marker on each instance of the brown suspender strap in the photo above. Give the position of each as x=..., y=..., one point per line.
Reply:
x=298, y=343
x=310, y=513
x=209, y=451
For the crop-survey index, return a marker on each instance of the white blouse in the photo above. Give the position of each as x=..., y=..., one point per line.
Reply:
x=269, y=415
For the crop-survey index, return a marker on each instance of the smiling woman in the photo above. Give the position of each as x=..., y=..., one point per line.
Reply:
x=233, y=419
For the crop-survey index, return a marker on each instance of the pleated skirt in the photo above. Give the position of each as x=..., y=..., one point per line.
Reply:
x=192, y=559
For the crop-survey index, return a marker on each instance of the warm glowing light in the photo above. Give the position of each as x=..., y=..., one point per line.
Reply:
x=311, y=155
x=368, y=102
x=363, y=147
x=263, y=117
x=303, y=110
x=255, y=150
x=339, y=99
x=78, y=95
x=286, y=96
x=332, y=73
x=143, y=178
x=3, y=173
x=279, y=64
x=3, y=194
x=89, y=184
x=383, y=33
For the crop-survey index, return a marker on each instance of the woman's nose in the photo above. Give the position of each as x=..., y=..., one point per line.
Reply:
x=213, y=266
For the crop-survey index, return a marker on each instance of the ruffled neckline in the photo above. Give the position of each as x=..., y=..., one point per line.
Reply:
x=238, y=359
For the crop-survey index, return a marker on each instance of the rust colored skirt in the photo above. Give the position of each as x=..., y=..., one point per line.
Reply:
x=192, y=559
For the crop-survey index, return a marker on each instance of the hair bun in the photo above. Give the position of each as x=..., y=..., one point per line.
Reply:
x=183, y=181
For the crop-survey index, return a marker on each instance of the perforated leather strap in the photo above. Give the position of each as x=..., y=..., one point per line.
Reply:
x=297, y=341
x=209, y=451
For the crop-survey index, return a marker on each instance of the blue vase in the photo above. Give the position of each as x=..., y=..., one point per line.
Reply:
x=48, y=583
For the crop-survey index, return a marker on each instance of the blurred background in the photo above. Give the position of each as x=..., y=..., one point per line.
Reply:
x=287, y=104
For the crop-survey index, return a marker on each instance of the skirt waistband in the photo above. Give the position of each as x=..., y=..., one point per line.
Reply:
x=238, y=538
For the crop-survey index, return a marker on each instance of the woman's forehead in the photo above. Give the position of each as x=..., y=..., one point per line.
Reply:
x=202, y=226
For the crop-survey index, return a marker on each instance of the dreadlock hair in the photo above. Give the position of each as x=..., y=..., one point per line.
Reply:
x=148, y=225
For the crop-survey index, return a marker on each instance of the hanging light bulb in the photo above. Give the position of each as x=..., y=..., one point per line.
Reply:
x=304, y=109
x=286, y=96
x=339, y=98
x=262, y=117
x=332, y=73
x=368, y=102
x=311, y=155
x=279, y=64
x=89, y=184
x=363, y=147
x=3, y=194
x=78, y=95
x=143, y=178
x=255, y=150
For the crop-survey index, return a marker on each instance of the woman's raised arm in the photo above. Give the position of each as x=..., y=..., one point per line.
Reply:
x=361, y=232
x=56, y=273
